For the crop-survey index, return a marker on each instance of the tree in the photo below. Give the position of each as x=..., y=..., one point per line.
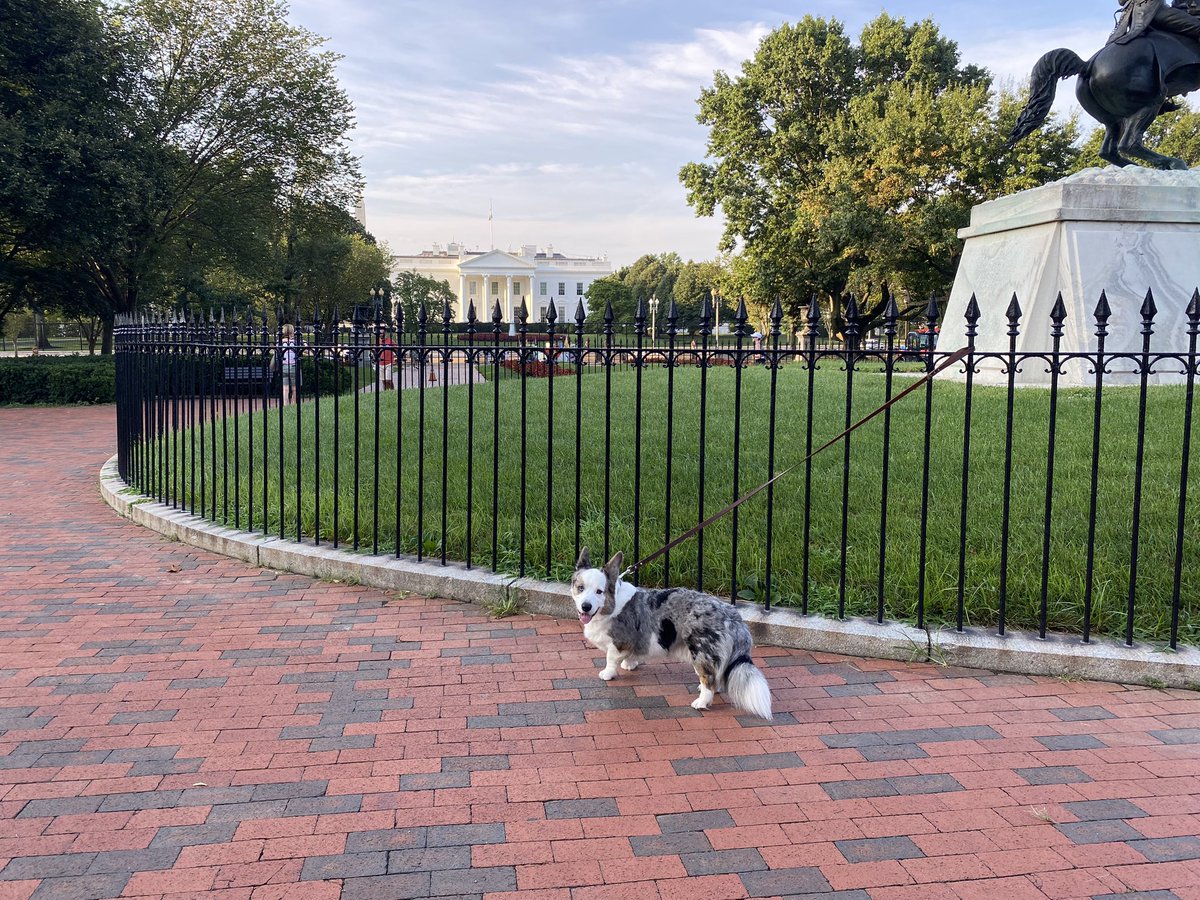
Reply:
x=324, y=261
x=663, y=276
x=62, y=79
x=410, y=290
x=603, y=291
x=850, y=168
x=233, y=111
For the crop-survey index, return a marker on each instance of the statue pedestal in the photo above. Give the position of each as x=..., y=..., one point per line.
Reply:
x=1117, y=230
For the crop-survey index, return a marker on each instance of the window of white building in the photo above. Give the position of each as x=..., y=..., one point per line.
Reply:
x=495, y=289
x=471, y=288
x=562, y=288
x=579, y=289
x=543, y=287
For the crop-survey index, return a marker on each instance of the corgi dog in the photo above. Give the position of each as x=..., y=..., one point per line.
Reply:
x=632, y=624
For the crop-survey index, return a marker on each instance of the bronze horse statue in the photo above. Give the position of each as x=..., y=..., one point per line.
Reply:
x=1124, y=87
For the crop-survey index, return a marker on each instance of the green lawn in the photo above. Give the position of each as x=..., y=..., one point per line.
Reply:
x=1071, y=495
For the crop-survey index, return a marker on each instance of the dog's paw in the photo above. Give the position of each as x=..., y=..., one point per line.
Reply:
x=608, y=674
x=699, y=703
x=630, y=664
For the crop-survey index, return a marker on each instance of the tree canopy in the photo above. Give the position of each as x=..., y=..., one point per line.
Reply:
x=213, y=167
x=411, y=291
x=60, y=138
x=842, y=166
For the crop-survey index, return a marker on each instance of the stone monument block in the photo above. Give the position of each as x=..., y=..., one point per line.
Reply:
x=1117, y=230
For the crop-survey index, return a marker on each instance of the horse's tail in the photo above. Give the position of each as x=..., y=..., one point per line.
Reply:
x=1047, y=71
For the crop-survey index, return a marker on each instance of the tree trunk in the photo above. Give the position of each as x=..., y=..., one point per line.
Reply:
x=91, y=332
x=106, y=343
x=40, y=340
x=121, y=298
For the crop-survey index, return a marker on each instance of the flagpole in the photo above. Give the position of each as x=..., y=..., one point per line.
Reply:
x=491, y=226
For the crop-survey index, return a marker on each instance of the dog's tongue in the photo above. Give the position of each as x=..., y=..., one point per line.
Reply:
x=585, y=618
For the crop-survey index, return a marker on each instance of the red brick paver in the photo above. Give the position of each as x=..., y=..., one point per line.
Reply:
x=173, y=724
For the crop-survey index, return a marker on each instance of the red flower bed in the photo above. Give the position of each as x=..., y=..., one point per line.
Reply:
x=534, y=368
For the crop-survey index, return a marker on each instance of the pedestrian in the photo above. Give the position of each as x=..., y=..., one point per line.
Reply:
x=288, y=363
x=387, y=364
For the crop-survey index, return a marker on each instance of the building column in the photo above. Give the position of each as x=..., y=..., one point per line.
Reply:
x=462, y=297
x=512, y=308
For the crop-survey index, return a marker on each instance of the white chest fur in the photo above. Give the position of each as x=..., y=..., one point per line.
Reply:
x=595, y=633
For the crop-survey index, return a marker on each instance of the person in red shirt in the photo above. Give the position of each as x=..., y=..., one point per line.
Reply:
x=387, y=364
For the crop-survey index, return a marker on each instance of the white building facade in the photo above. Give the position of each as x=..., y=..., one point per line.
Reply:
x=539, y=277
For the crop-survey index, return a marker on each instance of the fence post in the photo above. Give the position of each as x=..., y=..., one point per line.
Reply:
x=672, y=331
x=931, y=317
x=1058, y=315
x=639, y=364
x=741, y=330
x=972, y=317
x=1193, y=314
x=472, y=319
x=1013, y=315
x=776, y=328
x=706, y=330
x=1149, y=310
x=551, y=361
x=813, y=318
x=849, y=357
x=497, y=320
x=890, y=316
x=608, y=367
x=580, y=319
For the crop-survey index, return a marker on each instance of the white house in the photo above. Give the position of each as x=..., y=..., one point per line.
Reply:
x=485, y=277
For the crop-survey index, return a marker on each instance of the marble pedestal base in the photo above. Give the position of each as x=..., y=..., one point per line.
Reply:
x=1117, y=230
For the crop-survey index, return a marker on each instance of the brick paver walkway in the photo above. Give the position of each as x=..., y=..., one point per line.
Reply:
x=175, y=724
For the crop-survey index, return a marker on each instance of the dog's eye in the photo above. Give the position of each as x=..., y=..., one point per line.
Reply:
x=598, y=591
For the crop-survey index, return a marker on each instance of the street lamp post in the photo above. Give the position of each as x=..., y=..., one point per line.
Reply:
x=653, y=318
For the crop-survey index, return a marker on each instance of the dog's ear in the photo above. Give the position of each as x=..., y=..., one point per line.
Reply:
x=584, y=561
x=612, y=570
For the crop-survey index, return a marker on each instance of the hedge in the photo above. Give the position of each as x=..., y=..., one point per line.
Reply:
x=57, y=380
x=64, y=380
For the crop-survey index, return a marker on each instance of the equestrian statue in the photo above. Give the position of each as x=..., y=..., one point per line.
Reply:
x=1151, y=55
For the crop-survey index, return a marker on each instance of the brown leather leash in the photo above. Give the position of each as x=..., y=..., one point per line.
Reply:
x=954, y=357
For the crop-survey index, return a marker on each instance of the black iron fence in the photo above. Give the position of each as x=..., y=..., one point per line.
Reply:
x=994, y=506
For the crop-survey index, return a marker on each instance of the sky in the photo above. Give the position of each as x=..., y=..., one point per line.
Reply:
x=569, y=121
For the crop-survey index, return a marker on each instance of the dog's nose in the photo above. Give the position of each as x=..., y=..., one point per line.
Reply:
x=587, y=607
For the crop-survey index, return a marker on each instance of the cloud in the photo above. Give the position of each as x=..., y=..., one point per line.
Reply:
x=634, y=93
x=575, y=148
x=643, y=74
x=1010, y=55
x=623, y=209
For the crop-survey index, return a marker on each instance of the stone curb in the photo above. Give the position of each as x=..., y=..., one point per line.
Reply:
x=1057, y=656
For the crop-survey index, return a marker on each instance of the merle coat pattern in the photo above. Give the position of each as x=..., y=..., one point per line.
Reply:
x=633, y=624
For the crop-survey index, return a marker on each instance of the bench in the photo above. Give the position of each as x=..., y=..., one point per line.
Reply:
x=250, y=377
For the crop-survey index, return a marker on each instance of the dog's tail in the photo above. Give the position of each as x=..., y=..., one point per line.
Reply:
x=746, y=687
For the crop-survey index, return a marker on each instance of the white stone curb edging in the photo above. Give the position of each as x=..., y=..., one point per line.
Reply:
x=1057, y=656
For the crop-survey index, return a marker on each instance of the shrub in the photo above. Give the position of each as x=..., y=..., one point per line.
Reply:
x=535, y=368
x=329, y=375
x=57, y=380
